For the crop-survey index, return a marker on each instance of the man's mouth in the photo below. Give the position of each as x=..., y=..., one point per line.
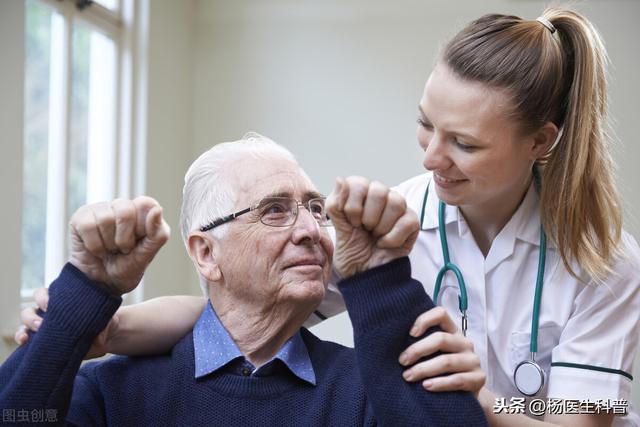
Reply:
x=306, y=263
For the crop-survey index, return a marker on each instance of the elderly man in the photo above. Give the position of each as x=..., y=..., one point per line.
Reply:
x=254, y=227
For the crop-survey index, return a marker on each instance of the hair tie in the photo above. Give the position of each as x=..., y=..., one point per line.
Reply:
x=544, y=21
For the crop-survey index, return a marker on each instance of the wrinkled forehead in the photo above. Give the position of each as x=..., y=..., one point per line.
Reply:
x=255, y=179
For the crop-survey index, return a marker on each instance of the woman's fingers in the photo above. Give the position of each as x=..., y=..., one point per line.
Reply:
x=437, y=341
x=437, y=316
x=458, y=368
x=30, y=318
x=21, y=336
x=467, y=381
x=442, y=364
x=41, y=295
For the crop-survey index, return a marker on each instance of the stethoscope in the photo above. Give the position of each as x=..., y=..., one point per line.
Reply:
x=529, y=377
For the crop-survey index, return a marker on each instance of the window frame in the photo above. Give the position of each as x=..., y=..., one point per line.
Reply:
x=127, y=27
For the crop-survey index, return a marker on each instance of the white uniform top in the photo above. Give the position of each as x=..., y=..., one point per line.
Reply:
x=587, y=334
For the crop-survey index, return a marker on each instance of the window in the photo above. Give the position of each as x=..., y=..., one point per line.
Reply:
x=82, y=104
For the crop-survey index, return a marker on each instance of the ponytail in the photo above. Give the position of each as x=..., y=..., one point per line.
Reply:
x=579, y=200
x=554, y=69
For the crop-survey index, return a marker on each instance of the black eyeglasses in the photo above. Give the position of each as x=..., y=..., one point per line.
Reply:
x=278, y=212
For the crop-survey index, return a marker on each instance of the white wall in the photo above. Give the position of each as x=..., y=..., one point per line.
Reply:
x=338, y=82
x=169, y=136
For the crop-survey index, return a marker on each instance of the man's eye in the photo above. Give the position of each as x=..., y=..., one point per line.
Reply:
x=317, y=209
x=274, y=208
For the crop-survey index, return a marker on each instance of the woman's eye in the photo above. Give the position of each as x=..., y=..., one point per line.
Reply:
x=464, y=146
x=424, y=125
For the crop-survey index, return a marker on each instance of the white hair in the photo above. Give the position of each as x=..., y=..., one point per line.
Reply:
x=208, y=193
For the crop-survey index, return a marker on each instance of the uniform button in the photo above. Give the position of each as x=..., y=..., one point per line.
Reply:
x=246, y=371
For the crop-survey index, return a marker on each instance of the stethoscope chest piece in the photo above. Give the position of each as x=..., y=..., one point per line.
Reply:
x=529, y=378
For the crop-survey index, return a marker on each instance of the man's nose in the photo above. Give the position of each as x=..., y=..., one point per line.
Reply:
x=305, y=227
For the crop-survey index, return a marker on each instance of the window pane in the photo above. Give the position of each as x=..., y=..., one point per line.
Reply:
x=92, y=145
x=36, y=113
x=77, y=189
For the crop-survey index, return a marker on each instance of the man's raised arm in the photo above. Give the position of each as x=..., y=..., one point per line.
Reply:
x=111, y=246
x=375, y=231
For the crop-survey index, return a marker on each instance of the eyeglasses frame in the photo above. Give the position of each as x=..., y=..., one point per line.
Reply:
x=227, y=218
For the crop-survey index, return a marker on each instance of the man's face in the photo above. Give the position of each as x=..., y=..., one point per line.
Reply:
x=272, y=267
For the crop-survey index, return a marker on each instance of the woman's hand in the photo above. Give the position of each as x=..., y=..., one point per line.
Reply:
x=458, y=368
x=29, y=317
x=32, y=321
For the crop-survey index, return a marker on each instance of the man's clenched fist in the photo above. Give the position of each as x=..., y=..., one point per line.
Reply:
x=114, y=242
x=373, y=225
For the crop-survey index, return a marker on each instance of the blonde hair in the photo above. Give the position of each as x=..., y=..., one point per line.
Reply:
x=555, y=76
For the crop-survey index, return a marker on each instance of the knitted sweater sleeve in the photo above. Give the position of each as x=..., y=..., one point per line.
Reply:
x=383, y=303
x=39, y=376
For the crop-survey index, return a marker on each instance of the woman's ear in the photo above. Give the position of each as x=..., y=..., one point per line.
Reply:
x=543, y=140
x=202, y=251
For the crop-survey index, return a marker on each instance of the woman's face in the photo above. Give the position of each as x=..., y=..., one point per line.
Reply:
x=475, y=151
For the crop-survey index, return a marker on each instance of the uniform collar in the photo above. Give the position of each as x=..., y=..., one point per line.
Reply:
x=430, y=218
x=527, y=218
x=525, y=221
x=214, y=348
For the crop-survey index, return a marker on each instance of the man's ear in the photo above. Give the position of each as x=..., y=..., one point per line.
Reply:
x=202, y=250
x=543, y=140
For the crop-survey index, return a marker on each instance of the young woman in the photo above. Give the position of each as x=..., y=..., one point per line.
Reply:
x=521, y=239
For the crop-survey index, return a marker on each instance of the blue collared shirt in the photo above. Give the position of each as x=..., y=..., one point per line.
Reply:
x=214, y=349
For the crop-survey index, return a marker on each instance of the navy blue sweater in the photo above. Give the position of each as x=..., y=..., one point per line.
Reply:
x=361, y=387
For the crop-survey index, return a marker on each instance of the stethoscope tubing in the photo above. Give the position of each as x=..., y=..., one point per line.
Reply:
x=463, y=296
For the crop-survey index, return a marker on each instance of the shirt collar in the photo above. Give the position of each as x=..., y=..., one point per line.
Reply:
x=214, y=348
x=526, y=219
x=430, y=217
